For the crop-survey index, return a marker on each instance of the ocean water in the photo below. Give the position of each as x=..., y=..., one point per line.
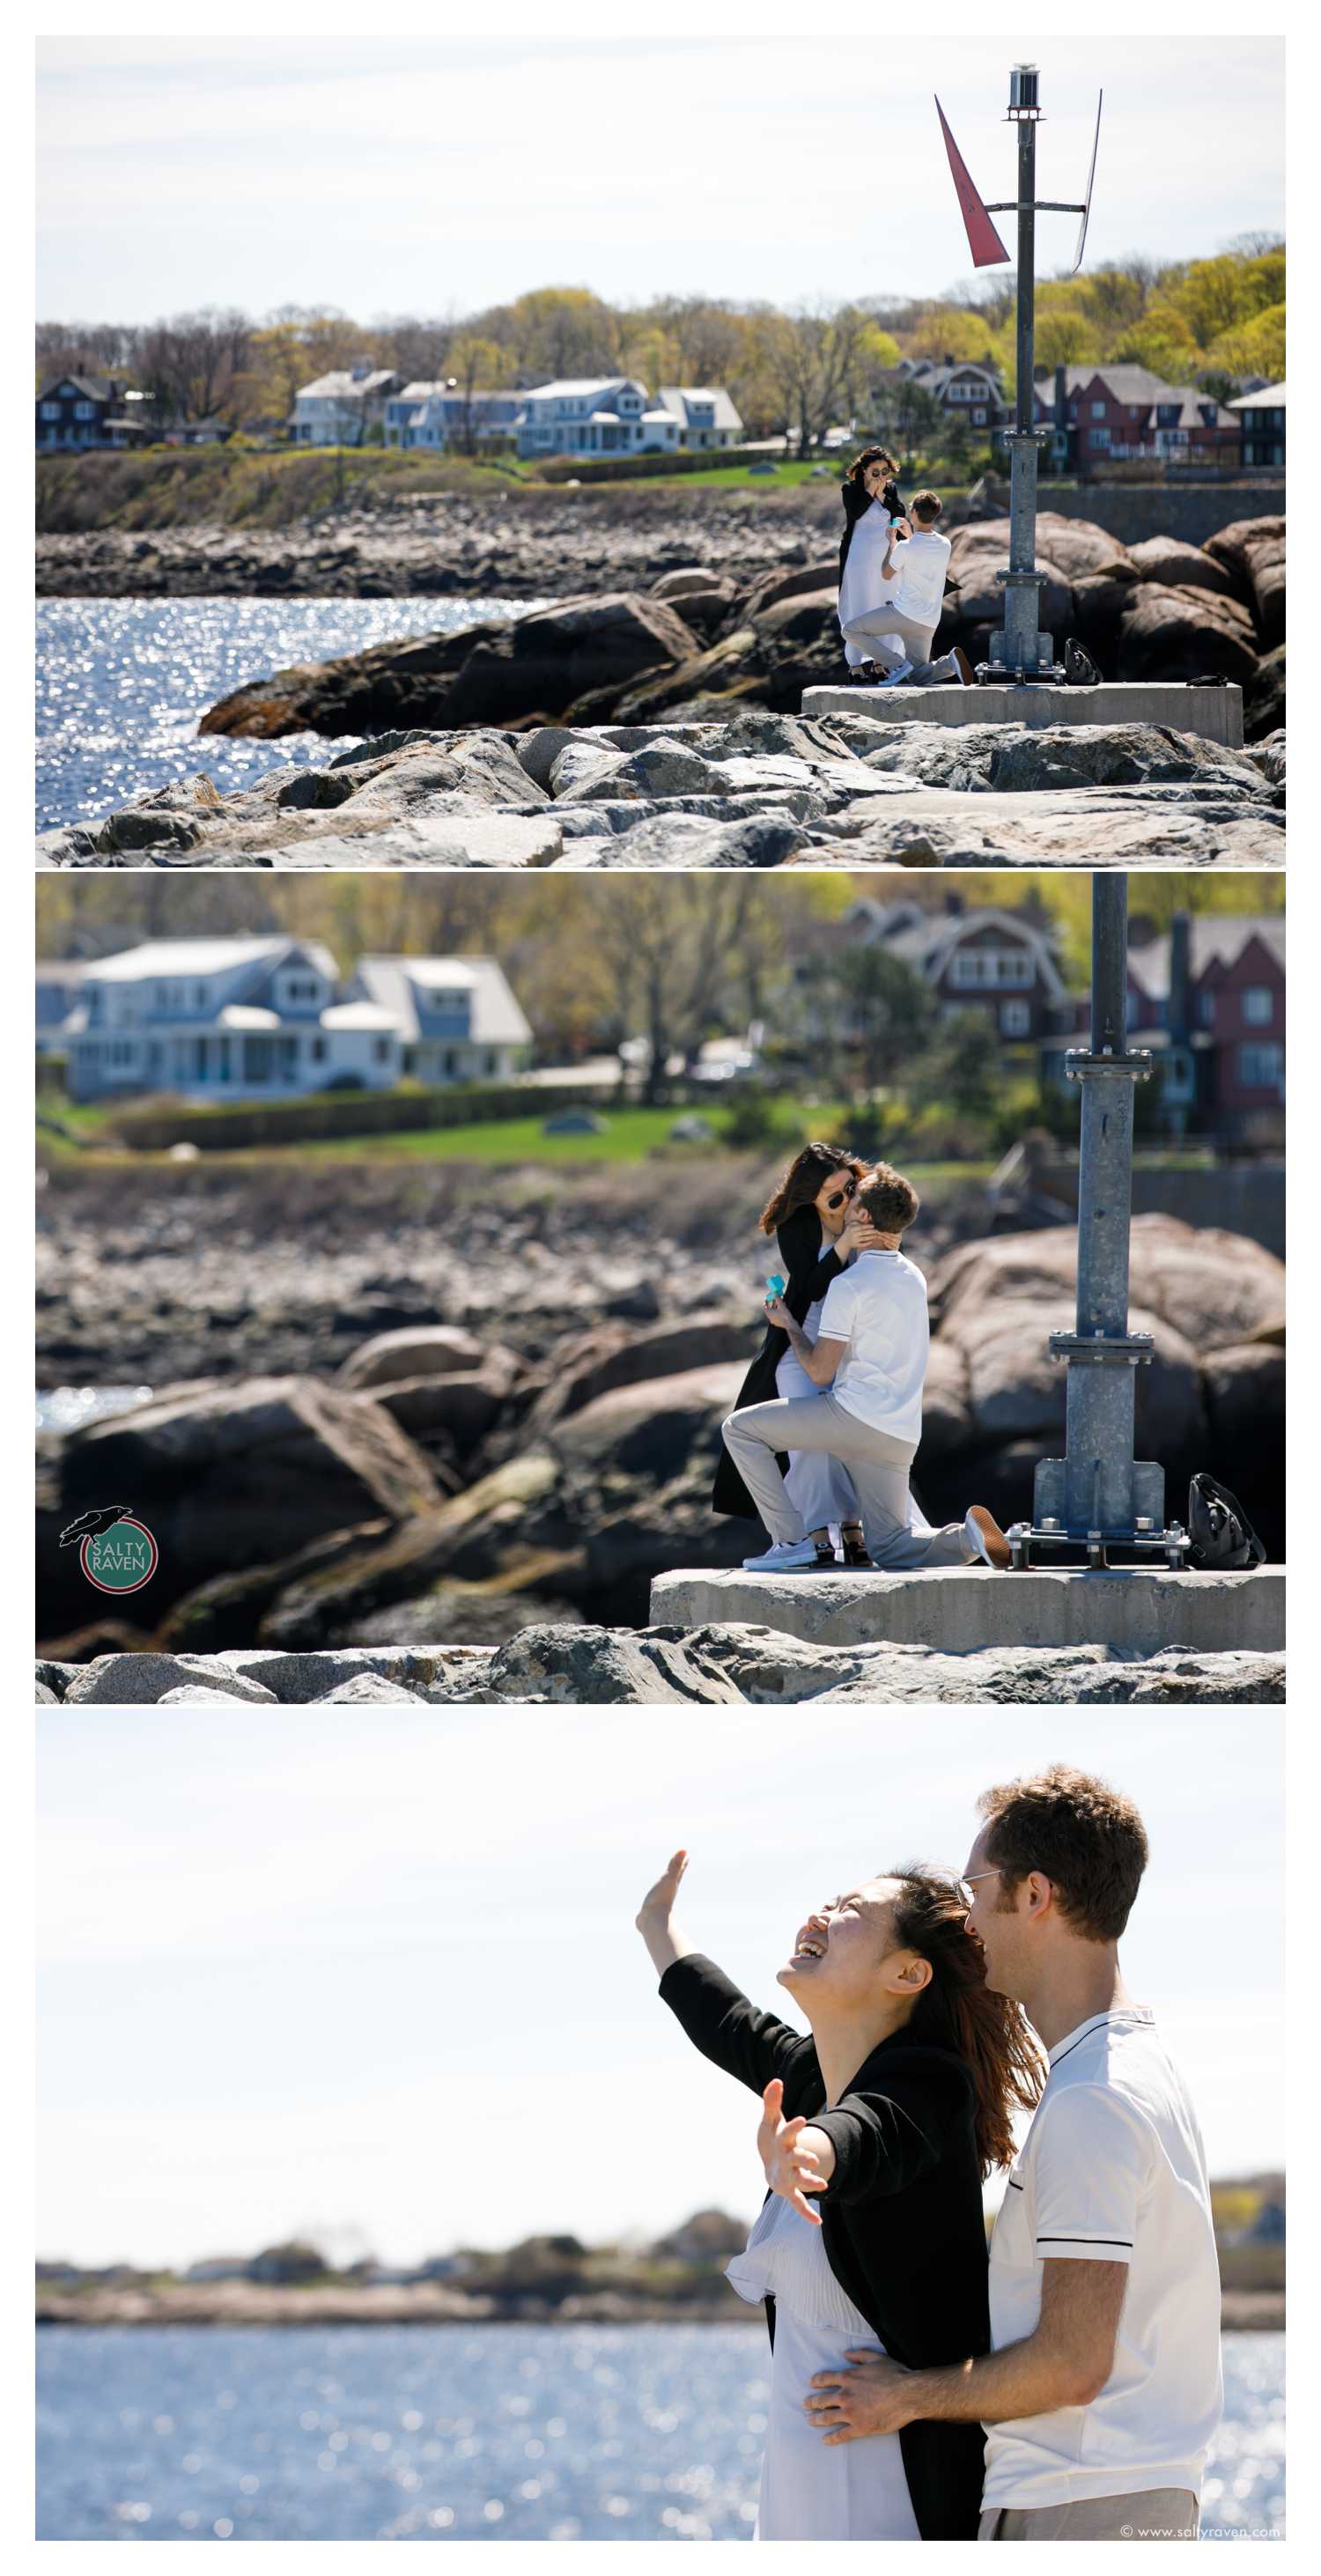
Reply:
x=122, y=683
x=468, y=2433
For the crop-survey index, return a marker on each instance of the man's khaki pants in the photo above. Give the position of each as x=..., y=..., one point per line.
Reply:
x=1161, y=2513
x=896, y=639
x=877, y=1465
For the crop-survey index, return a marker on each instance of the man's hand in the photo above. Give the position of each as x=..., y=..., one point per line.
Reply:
x=791, y=2153
x=655, y=1912
x=869, y=2397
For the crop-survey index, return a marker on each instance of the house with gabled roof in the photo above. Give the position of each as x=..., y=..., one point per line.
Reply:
x=435, y=415
x=456, y=1018
x=338, y=409
x=1003, y=963
x=1121, y=413
x=269, y=1017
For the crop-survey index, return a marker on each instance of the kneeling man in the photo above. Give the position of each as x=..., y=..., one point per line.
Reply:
x=869, y=1361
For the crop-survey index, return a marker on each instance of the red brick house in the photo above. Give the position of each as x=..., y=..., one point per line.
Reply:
x=1118, y=414
x=1208, y=998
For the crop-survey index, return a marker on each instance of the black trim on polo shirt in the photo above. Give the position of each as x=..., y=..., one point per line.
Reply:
x=1085, y=2240
x=1014, y=2186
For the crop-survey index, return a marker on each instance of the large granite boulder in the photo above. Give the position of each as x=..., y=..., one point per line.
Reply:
x=1182, y=634
x=1252, y=553
x=493, y=674
x=427, y=1350
x=1176, y=565
x=224, y=1475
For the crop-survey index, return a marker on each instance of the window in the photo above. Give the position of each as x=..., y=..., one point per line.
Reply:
x=1258, y=1006
x=981, y=970
x=979, y=414
x=50, y=411
x=380, y=1050
x=1015, y=1019
x=1206, y=1010
x=1098, y=411
x=1261, y=1068
x=1098, y=438
x=84, y=411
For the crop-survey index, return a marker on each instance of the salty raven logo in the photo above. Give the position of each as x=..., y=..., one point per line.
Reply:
x=91, y=1524
x=115, y=1549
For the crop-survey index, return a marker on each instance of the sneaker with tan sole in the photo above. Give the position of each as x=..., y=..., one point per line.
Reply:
x=983, y=1530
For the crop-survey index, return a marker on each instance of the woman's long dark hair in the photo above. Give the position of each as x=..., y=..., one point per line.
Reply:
x=872, y=456
x=958, y=2010
x=798, y=1186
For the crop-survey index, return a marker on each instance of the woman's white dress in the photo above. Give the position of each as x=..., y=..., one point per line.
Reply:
x=811, y=2489
x=862, y=587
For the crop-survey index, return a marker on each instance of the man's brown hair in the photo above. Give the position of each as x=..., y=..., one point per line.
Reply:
x=1085, y=1837
x=890, y=1201
x=926, y=506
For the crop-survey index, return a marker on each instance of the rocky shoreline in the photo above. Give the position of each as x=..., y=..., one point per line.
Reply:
x=246, y=2303
x=745, y=789
x=660, y=727
x=352, y=1443
x=665, y=1666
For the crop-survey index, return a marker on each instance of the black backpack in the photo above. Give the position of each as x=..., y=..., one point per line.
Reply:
x=1223, y=1537
x=1079, y=666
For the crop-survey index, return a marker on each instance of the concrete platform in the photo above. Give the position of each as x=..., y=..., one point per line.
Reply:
x=966, y=1609
x=1217, y=714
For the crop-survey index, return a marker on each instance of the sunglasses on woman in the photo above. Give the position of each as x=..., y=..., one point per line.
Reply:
x=842, y=1195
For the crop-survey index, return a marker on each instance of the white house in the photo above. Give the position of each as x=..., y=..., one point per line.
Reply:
x=615, y=416
x=705, y=414
x=456, y=1017
x=439, y=415
x=338, y=409
x=268, y=1018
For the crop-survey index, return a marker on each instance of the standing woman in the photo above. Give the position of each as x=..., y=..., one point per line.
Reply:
x=871, y=502
x=875, y=2135
x=809, y=1215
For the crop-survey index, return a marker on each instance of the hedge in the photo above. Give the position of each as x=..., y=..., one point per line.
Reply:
x=624, y=469
x=224, y=1127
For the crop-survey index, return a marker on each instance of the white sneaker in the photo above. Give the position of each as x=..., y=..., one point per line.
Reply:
x=892, y=678
x=983, y=1530
x=787, y=1556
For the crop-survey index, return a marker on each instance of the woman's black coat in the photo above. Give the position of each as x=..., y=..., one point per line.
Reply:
x=808, y=1271
x=902, y=2217
x=856, y=500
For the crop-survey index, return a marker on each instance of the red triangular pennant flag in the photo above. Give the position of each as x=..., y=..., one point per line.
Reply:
x=983, y=240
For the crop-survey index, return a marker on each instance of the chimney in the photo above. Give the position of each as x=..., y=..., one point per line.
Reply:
x=954, y=905
x=1179, y=1006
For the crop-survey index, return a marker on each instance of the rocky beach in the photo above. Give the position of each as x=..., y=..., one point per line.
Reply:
x=373, y=1470
x=660, y=726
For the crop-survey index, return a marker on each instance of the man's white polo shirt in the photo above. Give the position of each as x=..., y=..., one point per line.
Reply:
x=1112, y=2171
x=878, y=1306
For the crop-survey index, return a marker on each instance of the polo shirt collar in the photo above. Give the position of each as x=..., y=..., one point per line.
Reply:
x=1140, y=2014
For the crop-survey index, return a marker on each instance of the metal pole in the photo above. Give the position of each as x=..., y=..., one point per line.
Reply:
x=1019, y=651
x=1099, y=1404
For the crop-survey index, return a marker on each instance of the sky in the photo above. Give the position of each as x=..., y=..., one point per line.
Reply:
x=792, y=161
x=373, y=1975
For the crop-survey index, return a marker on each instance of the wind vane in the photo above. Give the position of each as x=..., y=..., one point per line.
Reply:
x=1019, y=651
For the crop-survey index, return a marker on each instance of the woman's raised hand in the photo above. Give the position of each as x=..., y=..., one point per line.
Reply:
x=655, y=1912
x=658, y=1903
x=858, y=1234
x=790, y=2154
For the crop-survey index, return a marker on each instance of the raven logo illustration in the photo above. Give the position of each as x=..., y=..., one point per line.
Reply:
x=91, y=1524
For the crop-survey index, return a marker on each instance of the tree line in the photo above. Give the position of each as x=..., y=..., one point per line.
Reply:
x=1215, y=322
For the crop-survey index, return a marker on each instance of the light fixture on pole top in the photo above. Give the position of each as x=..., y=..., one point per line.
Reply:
x=1020, y=653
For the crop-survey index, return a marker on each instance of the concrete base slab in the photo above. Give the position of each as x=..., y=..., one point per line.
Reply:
x=963, y=1610
x=1217, y=714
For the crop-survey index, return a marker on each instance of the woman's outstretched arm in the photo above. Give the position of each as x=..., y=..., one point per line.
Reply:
x=665, y=1943
x=746, y=2043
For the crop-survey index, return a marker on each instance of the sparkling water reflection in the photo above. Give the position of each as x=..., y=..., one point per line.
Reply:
x=122, y=683
x=478, y=2433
